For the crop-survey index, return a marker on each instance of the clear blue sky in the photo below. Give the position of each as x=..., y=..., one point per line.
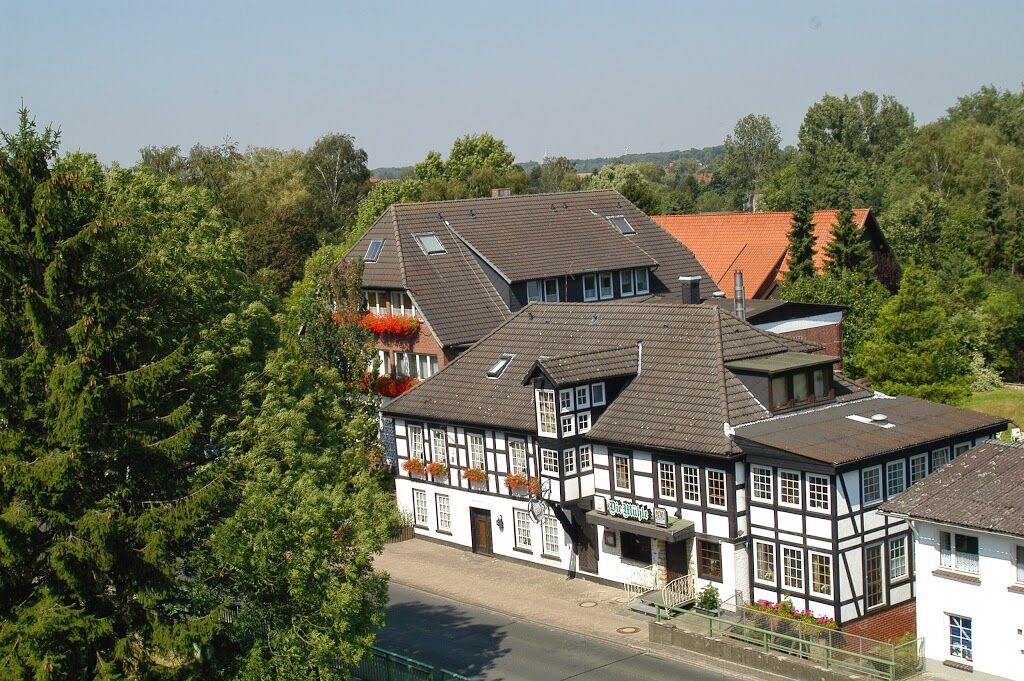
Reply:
x=566, y=78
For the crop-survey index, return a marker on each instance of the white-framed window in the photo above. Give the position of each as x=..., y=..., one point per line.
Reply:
x=792, y=567
x=549, y=461
x=517, y=456
x=401, y=304
x=874, y=577
x=552, y=536
x=415, y=365
x=583, y=397
x=894, y=478
x=381, y=364
x=958, y=552
x=568, y=425
x=606, y=285
x=597, y=394
x=821, y=573
x=550, y=290
x=691, y=484
x=871, y=485
x=716, y=488
x=533, y=291
x=444, y=512
x=940, y=457
x=626, y=283
x=643, y=282
x=586, y=458
x=569, y=461
x=376, y=301
x=897, y=558
x=761, y=483
x=666, y=480
x=415, y=442
x=589, y=287
x=426, y=366
x=583, y=422
x=960, y=638
x=477, y=459
x=438, y=449
x=565, y=401
x=960, y=449
x=818, y=497
x=918, y=467
x=621, y=472
x=789, y=488
x=1020, y=564
x=764, y=561
x=547, y=423
x=419, y=506
x=524, y=538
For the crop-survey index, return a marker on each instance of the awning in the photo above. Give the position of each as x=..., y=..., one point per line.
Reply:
x=677, y=530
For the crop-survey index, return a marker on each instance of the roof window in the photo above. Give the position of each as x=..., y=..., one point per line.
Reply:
x=499, y=367
x=373, y=250
x=429, y=243
x=621, y=223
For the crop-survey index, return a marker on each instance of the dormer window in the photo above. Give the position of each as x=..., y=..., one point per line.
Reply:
x=606, y=285
x=787, y=379
x=373, y=250
x=620, y=223
x=547, y=423
x=429, y=243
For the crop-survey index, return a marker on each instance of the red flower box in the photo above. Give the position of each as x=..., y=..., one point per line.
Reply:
x=533, y=486
x=515, y=481
x=390, y=324
x=475, y=474
x=436, y=469
x=413, y=466
x=393, y=387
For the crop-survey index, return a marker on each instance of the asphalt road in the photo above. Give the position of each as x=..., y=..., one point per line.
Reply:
x=483, y=644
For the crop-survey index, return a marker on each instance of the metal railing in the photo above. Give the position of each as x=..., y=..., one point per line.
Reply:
x=639, y=580
x=678, y=591
x=384, y=665
x=832, y=649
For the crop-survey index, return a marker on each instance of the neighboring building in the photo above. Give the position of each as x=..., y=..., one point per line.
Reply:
x=815, y=323
x=461, y=268
x=672, y=442
x=968, y=523
x=755, y=244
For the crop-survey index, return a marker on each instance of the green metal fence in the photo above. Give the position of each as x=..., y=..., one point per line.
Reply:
x=384, y=665
x=828, y=648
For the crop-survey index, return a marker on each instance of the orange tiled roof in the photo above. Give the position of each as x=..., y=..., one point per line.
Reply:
x=754, y=243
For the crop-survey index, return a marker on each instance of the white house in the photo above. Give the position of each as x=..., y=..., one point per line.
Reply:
x=968, y=522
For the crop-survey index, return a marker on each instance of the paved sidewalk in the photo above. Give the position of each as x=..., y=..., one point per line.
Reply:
x=535, y=595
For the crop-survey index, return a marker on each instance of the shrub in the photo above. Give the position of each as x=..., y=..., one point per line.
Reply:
x=708, y=599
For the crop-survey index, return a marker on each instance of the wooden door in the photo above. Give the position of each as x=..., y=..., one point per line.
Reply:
x=480, y=524
x=589, y=551
x=677, y=558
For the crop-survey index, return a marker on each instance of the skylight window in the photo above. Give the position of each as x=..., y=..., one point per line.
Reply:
x=373, y=250
x=499, y=367
x=621, y=223
x=429, y=244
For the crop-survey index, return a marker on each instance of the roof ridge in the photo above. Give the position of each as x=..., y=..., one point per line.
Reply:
x=504, y=198
x=398, y=246
x=720, y=359
x=615, y=348
x=474, y=268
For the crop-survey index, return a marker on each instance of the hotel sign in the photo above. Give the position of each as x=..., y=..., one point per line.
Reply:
x=630, y=510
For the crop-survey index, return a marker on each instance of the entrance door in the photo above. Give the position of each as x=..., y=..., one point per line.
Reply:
x=589, y=552
x=677, y=558
x=480, y=524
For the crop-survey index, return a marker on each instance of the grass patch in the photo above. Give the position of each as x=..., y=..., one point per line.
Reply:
x=1005, y=402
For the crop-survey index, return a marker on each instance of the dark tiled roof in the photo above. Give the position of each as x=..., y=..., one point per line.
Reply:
x=681, y=398
x=827, y=434
x=982, y=489
x=521, y=237
x=591, y=366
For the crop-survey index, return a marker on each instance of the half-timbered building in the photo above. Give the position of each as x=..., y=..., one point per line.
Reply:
x=647, y=444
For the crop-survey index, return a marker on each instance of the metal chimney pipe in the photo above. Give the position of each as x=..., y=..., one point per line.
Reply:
x=739, y=296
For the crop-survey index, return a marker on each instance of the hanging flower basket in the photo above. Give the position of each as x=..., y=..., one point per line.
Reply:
x=475, y=474
x=533, y=486
x=390, y=324
x=515, y=481
x=436, y=469
x=413, y=466
x=393, y=387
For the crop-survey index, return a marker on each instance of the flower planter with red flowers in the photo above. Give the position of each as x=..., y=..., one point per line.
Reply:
x=390, y=324
x=413, y=466
x=393, y=387
x=475, y=475
x=533, y=486
x=516, y=482
x=436, y=469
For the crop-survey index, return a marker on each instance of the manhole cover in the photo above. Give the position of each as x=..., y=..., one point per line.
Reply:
x=628, y=630
x=587, y=604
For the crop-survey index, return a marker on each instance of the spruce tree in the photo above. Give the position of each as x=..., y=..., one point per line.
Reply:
x=126, y=331
x=848, y=250
x=913, y=349
x=800, y=262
